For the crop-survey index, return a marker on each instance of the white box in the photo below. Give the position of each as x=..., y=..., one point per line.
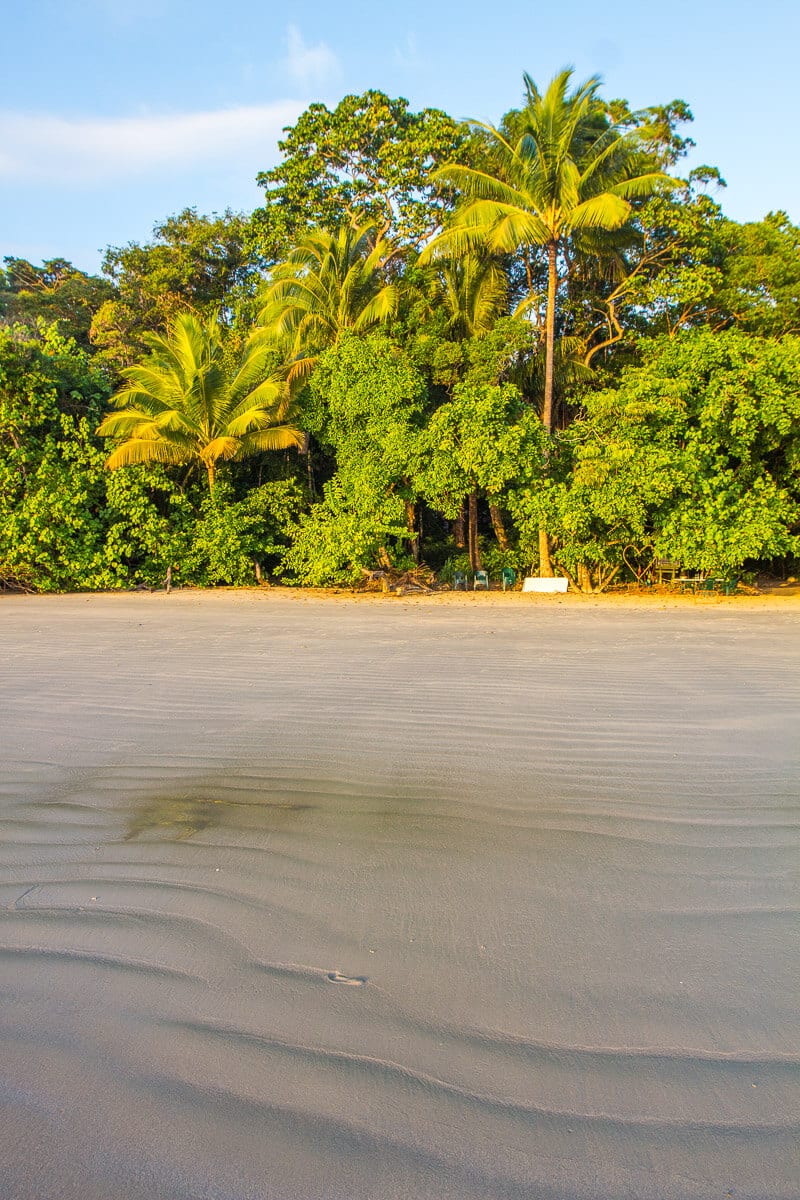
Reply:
x=541, y=583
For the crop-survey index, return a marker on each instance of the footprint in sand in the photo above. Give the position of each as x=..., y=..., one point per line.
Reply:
x=348, y=980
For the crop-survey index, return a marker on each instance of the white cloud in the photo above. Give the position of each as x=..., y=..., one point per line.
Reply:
x=91, y=150
x=310, y=65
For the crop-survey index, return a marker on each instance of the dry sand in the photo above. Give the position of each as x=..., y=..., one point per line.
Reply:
x=463, y=897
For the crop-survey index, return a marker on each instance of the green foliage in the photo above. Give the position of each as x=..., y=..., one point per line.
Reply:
x=558, y=167
x=348, y=532
x=187, y=405
x=149, y=523
x=679, y=270
x=493, y=559
x=329, y=284
x=761, y=286
x=54, y=510
x=52, y=529
x=592, y=364
x=484, y=439
x=231, y=535
x=560, y=171
x=369, y=160
x=68, y=524
x=693, y=267
x=194, y=262
x=54, y=294
x=693, y=456
x=365, y=404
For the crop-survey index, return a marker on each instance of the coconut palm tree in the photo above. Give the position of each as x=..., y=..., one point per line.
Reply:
x=473, y=291
x=563, y=167
x=329, y=283
x=560, y=167
x=185, y=405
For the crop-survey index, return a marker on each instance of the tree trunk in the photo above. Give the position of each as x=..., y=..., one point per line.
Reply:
x=210, y=471
x=413, y=536
x=474, y=549
x=306, y=449
x=584, y=577
x=458, y=529
x=545, y=565
x=550, y=335
x=498, y=526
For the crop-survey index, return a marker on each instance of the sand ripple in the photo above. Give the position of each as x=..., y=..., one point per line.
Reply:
x=363, y=903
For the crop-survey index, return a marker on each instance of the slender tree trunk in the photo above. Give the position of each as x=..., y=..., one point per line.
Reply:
x=526, y=254
x=306, y=450
x=498, y=526
x=458, y=529
x=474, y=549
x=550, y=335
x=210, y=471
x=413, y=537
x=545, y=565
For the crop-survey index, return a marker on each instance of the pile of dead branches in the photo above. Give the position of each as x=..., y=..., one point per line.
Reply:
x=15, y=580
x=420, y=579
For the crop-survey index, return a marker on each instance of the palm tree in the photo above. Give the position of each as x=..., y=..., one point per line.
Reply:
x=561, y=167
x=473, y=291
x=566, y=169
x=329, y=283
x=184, y=404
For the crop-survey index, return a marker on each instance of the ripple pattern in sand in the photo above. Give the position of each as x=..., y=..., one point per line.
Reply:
x=342, y=909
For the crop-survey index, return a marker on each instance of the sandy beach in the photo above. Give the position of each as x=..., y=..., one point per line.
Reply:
x=392, y=898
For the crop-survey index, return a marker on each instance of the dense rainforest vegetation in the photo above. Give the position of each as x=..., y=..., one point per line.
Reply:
x=540, y=345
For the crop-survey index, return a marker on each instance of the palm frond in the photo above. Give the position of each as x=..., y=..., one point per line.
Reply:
x=280, y=437
x=643, y=186
x=224, y=446
x=606, y=211
x=145, y=450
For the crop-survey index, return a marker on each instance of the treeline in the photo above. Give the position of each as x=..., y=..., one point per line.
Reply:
x=540, y=345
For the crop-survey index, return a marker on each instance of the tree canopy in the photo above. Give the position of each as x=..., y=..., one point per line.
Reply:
x=437, y=344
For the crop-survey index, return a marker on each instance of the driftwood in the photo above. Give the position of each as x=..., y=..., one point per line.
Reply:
x=12, y=580
x=420, y=579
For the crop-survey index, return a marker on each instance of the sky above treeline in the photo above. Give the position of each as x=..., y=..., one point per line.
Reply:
x=116, y=113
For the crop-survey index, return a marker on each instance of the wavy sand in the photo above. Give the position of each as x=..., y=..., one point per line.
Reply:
x=305, y=897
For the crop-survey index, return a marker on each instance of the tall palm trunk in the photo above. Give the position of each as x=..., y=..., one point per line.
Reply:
x=550, y=334
x=211, y=474
x=545, y=565
x=474, y=549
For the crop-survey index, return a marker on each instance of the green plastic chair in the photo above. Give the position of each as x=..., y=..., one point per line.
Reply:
x=480, y=580
x=508, y=577
x=459, y=581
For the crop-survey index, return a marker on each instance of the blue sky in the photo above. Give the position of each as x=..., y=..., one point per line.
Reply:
x=114, y=115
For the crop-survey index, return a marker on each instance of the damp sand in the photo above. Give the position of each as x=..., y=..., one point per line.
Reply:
x=307, y=897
